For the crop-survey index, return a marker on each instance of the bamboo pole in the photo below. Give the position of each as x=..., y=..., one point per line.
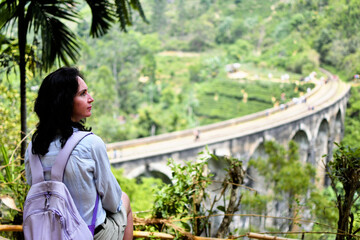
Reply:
x=141, y=234
x=208, y=238
x=158, y=235
x=266, y=237
x=137, y=234
x=11, y=228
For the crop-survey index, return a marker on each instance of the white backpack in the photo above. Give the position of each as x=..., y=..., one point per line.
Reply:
x=49, y=210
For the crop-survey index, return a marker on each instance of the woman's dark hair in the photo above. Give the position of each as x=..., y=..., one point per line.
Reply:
x=54, y=106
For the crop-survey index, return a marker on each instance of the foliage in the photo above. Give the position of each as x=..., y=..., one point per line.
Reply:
x=352, y=123
x=9, y=113
x=344, y=170
x=190, y=200
x=8, y=116
x=239, y=51
x=141, y=194
x=189, y=182
x=9, y=55
x=13, y=189
x=325, y=213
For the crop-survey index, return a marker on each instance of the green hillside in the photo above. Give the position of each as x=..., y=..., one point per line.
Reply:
x=169, y=74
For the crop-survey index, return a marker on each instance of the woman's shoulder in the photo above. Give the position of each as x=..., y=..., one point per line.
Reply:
x=92, y=139
x=90, y=142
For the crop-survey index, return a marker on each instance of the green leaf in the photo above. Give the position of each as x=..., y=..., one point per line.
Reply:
x=221, y=208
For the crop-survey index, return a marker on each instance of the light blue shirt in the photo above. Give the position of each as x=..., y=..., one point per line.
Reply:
x=87, y=173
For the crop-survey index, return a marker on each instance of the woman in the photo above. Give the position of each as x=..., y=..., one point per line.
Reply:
x=62, y=105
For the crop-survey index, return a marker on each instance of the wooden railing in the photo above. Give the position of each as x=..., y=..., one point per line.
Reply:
x=157, y=235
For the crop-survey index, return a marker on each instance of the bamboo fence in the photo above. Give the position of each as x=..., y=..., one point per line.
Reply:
x=156, y=235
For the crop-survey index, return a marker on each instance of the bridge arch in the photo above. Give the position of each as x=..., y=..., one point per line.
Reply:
x=322, y=142
x=338, y=128
x=303, y=128
x=253, y=148
x=302, y=140
x=253, y=178
x=156, y=170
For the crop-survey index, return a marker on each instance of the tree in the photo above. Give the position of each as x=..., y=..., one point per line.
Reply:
x=196, y=196
x=49, y=20
x=344, y=172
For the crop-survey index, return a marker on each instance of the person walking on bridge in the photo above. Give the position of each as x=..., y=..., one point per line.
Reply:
x=62, y=105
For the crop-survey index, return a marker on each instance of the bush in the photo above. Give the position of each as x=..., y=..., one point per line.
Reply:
x=198, y=44
x=239, y=50
x=304, y=62
x=176, y=45
x=141, y=193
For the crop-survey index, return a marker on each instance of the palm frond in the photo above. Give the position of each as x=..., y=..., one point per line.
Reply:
x=137, y=6
x=102, y=17
x=39, y=11
x=58, y=41
x=7, y=12
x=123, y=12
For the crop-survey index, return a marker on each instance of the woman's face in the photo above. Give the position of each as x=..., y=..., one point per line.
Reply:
x=82, y=102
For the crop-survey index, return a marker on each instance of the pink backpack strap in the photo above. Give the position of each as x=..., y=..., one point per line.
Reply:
x=36, y=167
x=58, y=169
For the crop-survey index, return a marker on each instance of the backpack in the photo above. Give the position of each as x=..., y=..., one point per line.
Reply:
x=49, y=210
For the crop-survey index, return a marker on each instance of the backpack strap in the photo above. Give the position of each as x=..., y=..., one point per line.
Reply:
x=93, y=220
x=58, y=169
x=36, y=167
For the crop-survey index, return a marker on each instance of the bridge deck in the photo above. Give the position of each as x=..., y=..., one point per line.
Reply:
x=319, y=98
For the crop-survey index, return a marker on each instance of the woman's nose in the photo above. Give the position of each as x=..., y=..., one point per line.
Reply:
x=90, y=98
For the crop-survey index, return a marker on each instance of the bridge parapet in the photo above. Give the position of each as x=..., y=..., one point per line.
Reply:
x=113, y=147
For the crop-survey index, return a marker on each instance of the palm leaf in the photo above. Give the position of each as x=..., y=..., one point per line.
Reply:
x=39, y=11
x=7, y=12
x=58, y=41
x=123, y=12
x=137, y=6
x=102, y=17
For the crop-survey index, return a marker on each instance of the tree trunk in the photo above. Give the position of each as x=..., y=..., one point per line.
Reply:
x=236, y=174
x=22, y=30
x=231, y=209
x=344, y=215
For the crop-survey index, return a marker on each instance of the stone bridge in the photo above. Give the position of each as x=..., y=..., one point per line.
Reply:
x=315, y=124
